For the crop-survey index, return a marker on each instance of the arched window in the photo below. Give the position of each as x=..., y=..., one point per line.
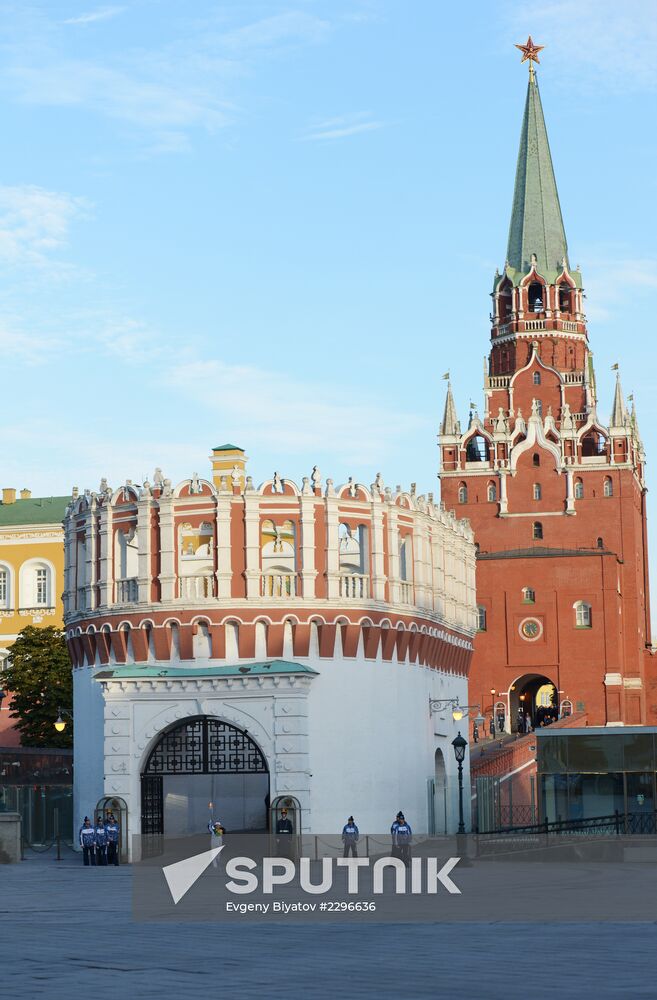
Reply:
x=582, y=614
x=481, y=618
x=579, y=489
x=6, y=601
x=492, y=493
x=36, y=585
x=4, y=659
x=600, y=543
x=536, y=460
x=405, y=558
x=537, y=530
x=278, y=559
x=537, y=378
x=353, y=548
x=528, y=595
x=537, y=491
x=608, y=487
x=564, y=298
x=463, y=493
x=535, y=297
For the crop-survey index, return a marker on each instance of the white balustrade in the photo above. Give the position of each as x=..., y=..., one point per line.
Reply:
x=126, y=590
x=354, y=586
x=278, y=585
x=81, y=599
x=406, y=592
x=195, y=586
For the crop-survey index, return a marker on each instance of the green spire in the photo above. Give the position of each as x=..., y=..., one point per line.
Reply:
x=536, y=223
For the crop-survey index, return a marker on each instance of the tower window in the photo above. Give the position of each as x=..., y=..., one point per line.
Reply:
x=492, y=493
x=564, y=298
x=537, y=491
x=537, y=378
x=579, y=489
x=528, y=595
x=537, y=530
x=536, y=460
x=536, y=297
x=463, y=493
x=481, y=618
x=582, y=614
x=608, y=487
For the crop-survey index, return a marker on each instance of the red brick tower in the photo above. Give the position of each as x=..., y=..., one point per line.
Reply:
x=556, y=497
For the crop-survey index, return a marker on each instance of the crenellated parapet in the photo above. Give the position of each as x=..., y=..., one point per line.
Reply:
x=219, y=569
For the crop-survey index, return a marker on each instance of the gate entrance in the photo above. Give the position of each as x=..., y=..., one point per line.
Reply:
x=203, y=769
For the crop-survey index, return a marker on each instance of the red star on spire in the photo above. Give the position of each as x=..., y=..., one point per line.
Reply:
x=530, y=51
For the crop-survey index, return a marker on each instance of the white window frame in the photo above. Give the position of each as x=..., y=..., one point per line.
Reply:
x=583, y=617
x=7, y=604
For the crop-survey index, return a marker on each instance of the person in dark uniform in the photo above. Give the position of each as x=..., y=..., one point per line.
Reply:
x=350, y=836
x=88, y=842
x=402, y=836
x=112, y=831
x=101, y=843
x=284, y=836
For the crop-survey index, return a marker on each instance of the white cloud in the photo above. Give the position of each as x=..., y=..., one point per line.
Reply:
x=613, y=280
x=35, y=222
x=27, y=349
x=288, y=27
x=339, y=128
x=102, y=14
x=594, y=40
x=273, y=409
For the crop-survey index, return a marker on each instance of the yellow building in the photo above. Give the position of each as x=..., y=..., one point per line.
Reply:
x=31, y=564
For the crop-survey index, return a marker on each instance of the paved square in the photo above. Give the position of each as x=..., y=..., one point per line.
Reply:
x=68, y=931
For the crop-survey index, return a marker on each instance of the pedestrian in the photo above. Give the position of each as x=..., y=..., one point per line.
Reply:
x=402, y=836
x=475, y=733
x=528, y=723
x=217, y=831
x=350, y=836
x=491, y=727
x=112, y=831
x=87, y=838
x=101, y=843
x=284, y=831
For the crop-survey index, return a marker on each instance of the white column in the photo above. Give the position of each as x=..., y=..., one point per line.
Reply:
x=69, y=564
x=378, y=572
x=504, y=503
x=570, y=492
x=144, y=548
x=90, y=554
x=332, y=548
x=393, y=553
x=307, y=548
x=106, y=555
x=167, y=550
x=252, y=541
x=222, y=530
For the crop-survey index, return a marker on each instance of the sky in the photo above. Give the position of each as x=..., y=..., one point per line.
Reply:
x=277, y=224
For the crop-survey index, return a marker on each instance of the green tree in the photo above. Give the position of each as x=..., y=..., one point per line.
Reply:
x=40, y=682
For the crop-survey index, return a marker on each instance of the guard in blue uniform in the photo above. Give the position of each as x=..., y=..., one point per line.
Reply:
x=112, y=830
x=350, y=836
x=88, y=842
x=402, y=836
x=284, y=836
x=101, y=843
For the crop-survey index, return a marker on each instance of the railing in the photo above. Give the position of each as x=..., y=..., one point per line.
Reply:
x=534, y=324
x=278, y=585
x=618, y=823
x=196, y=586
x=499, y=381
x=406, y=592
x=573, y=378
x=81, y=599
x=569, y=326
x=127, y=590
x=354, y=586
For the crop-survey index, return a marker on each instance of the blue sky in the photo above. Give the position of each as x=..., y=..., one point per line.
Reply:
x=277, y=224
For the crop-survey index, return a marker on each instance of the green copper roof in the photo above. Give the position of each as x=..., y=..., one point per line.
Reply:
x=228, y=670
x=36, y=510
x=536, y=223
x=228, y=447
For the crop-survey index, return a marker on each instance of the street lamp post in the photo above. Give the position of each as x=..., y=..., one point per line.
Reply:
x=460, y=745
x=60, y=723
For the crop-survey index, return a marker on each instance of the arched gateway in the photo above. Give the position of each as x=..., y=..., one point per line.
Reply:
x=202, y=769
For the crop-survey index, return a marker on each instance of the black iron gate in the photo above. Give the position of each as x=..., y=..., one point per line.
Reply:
x=195, y=746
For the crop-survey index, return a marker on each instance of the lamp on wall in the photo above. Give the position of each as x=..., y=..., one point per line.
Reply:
x=60, y=723
x=458, y=711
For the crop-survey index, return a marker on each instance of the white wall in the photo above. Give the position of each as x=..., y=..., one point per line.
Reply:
x=88, y=745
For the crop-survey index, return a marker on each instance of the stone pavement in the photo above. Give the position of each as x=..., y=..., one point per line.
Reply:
x=67, y=931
